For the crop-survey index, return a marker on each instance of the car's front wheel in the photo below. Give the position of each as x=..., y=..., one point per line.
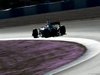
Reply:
x=62, y=30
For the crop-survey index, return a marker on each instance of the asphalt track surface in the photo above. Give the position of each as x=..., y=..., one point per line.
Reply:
x=88, y=28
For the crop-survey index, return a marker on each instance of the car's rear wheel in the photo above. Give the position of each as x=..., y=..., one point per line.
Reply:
x=35, y=33
x=62, y=30
x=54, y=32
x=47, y=33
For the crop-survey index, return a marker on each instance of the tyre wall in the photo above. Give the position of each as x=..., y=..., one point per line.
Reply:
x=57, y=11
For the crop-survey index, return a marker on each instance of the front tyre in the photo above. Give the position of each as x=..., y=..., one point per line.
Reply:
x=62, y=30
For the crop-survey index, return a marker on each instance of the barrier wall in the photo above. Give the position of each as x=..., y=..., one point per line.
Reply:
x=15, y=17
x=85, y=13
x=48, y=7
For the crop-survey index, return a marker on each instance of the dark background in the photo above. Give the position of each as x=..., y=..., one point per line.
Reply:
x=5, y=4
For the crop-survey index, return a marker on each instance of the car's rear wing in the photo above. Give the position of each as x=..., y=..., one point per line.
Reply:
x=54, y=23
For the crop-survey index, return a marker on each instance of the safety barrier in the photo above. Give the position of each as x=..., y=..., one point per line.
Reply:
x=48, y=7
x=30, y=15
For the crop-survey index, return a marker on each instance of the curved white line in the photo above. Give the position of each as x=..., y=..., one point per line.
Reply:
x=93, y=49
x=92, y=46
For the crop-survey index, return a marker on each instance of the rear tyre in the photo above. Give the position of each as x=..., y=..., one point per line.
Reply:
x=54, y=32
x=35, y=33
x=47, y=33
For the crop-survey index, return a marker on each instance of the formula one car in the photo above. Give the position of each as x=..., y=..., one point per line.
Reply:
x=50, y=30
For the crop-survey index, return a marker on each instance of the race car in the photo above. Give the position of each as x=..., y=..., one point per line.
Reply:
x=51, y=29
